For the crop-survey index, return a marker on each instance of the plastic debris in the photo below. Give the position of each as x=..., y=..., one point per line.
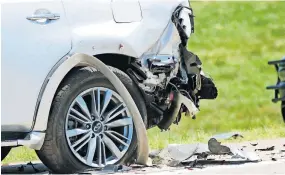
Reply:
x=271, y=148
x=174, y=163
x=110, y=169
x=227, y=135
x=149, y=162
x=191, y=154
x=215, y=147
x=254, y=144
x=182, y=152
x=246, y=155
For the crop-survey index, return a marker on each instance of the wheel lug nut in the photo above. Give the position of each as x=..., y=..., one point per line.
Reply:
x=93, y=118
x=102, y=118
x=105, y=128
x=88, y=126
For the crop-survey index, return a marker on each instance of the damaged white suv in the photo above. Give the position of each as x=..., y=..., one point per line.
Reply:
x=69, y=112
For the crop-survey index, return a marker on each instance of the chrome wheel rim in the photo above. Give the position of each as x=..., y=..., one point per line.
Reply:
x=98, y=127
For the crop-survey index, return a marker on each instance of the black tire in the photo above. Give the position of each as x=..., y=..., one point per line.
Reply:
x=4, y=152
x=55, y=152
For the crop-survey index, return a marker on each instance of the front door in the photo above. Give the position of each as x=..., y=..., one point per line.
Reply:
x=35, y=35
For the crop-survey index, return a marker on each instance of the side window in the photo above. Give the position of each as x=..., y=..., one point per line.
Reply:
x=126, y=11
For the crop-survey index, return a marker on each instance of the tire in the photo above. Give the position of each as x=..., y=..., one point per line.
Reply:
x=283, y=110
x=55, y=152
x=4, y=152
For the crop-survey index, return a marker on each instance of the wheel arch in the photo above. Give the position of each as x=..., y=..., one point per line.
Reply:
x=59, y=72
x=72, y=61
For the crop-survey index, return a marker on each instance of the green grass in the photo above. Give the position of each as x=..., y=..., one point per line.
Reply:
x=20, y=154
x=234, y=40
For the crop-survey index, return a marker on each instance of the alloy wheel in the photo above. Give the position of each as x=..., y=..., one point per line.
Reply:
x=99, y=128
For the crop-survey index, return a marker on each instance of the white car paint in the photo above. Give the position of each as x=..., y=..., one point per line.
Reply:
x=94, y=38
x=30, y=51
x=133, y=9
x=95, y=31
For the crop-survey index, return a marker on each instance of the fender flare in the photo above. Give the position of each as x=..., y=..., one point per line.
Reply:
x=86, y=60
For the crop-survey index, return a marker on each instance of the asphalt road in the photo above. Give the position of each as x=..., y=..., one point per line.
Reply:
x=273, y=162
x=268, y=168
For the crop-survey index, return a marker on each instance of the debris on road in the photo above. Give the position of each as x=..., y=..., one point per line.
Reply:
x=271, y=148
x=193, y=154
x=180, y=156
x=229, y=135
x=115, y=168
x=36, y=170
x=254, y=144
x=215, y=147
x=24, y=168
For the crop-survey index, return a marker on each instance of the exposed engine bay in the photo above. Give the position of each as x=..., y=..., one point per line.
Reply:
x=171, y=77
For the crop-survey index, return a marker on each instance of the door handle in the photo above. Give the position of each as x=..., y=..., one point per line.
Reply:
x=37, y=17
x=43, y=16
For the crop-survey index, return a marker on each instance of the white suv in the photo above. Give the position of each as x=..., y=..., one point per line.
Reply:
x=69, y=112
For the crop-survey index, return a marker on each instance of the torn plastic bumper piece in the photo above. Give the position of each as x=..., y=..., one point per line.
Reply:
x=170, y=117
x=280, y=85
x=176, y=154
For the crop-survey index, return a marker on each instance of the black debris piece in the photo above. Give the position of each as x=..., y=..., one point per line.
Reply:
x=254, y=144
x=36, y=170
x=215, y=147
x=266, y=149
x=193, y=164
x=202, y=155
x=21, y=168
x=123, y=168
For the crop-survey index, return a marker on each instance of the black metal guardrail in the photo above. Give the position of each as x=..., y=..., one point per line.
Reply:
x=280, y=85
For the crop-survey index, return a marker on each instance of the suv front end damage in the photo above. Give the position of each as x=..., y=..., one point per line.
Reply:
x=170, y=76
